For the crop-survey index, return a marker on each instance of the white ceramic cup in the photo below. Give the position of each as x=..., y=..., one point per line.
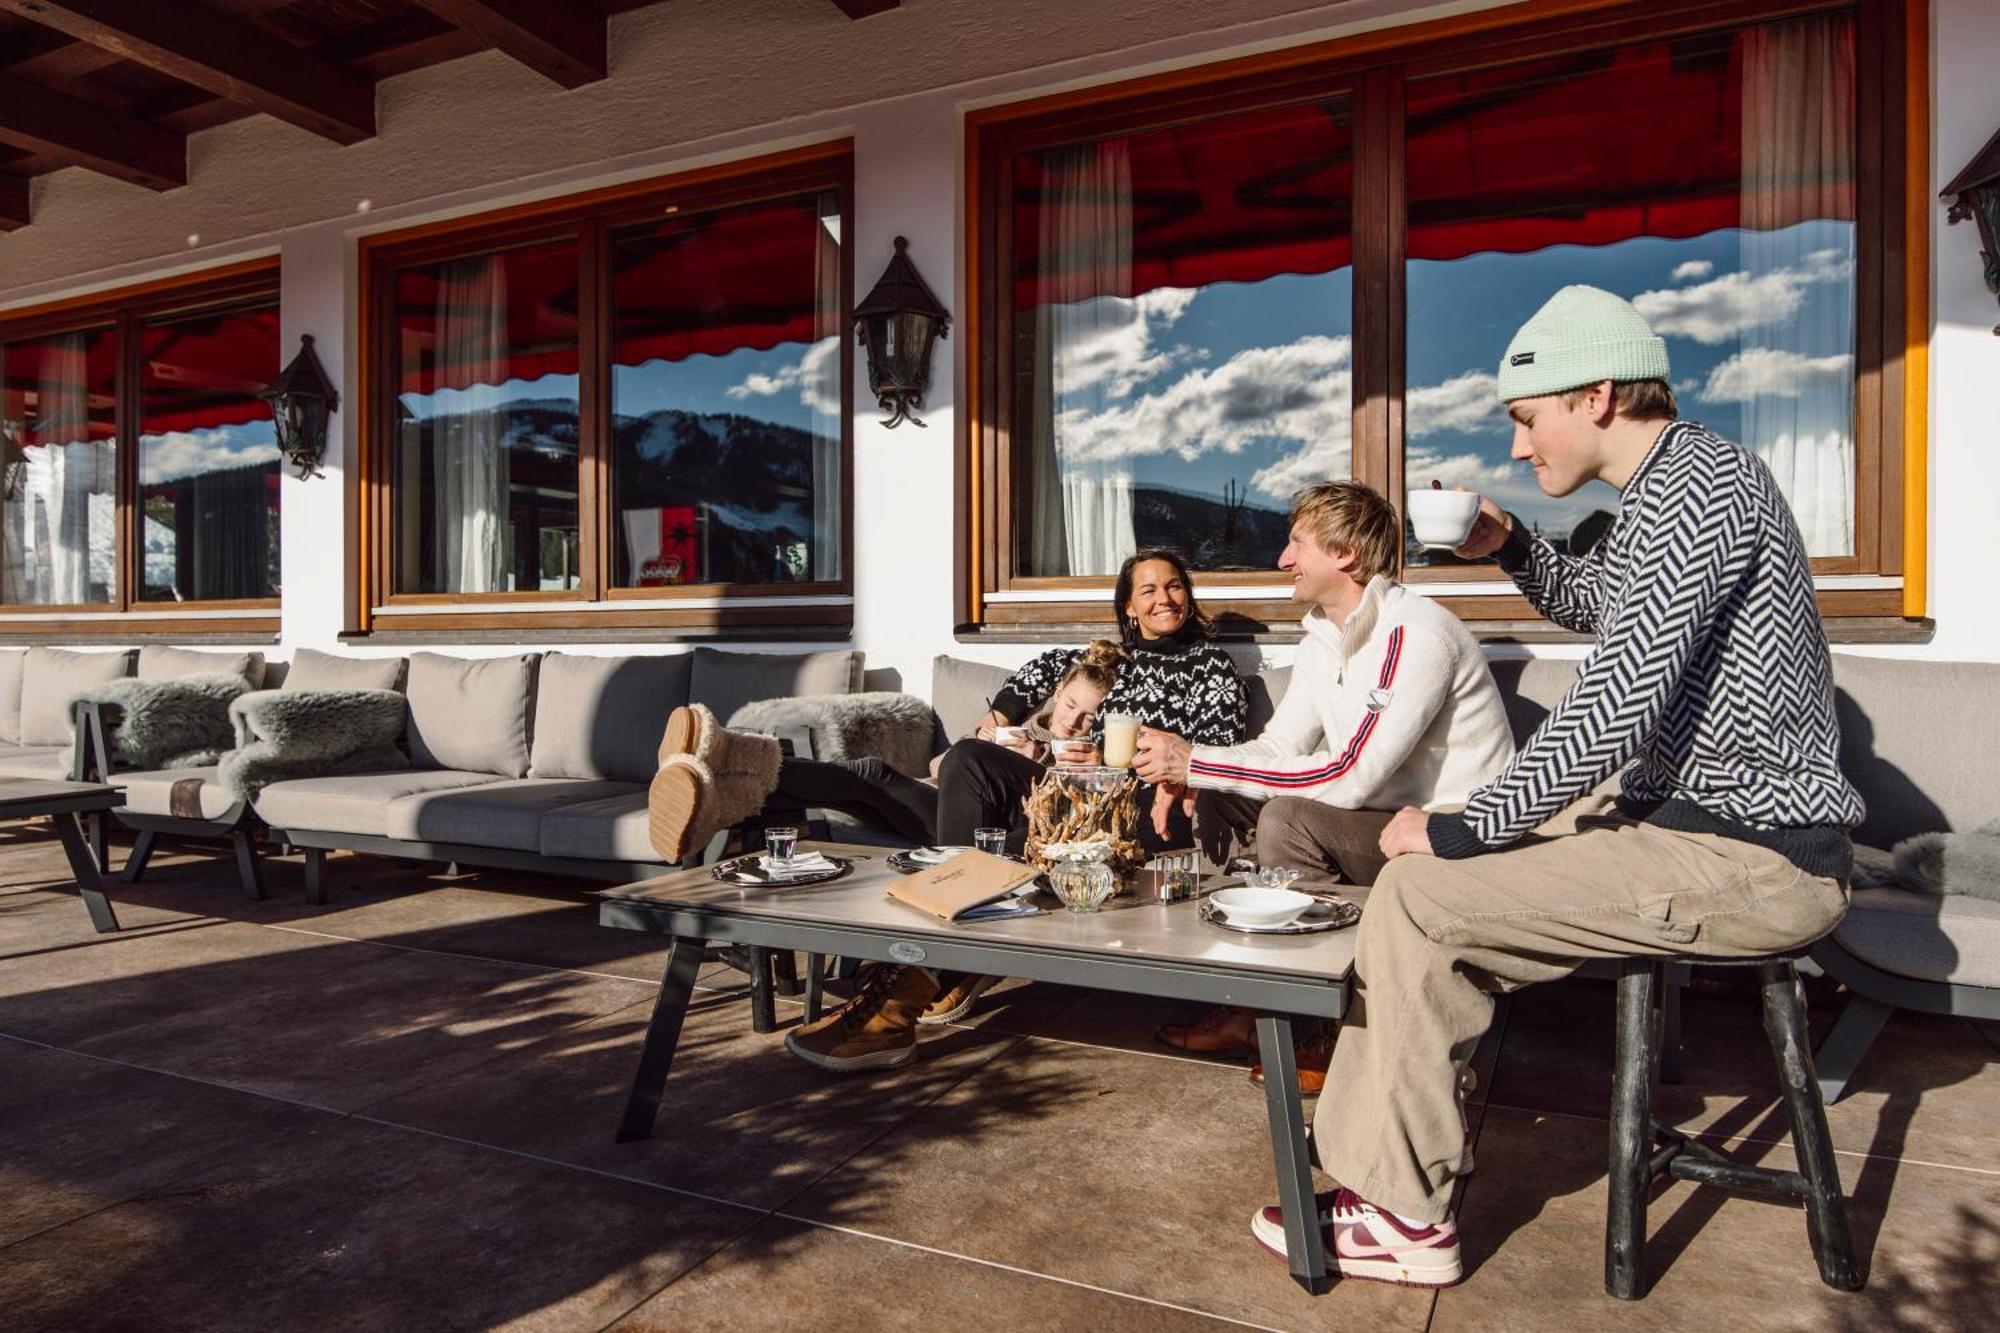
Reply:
x=1443, y=518
x=1121, y=739
x=1009, y=735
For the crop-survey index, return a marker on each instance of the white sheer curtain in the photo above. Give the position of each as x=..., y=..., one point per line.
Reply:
x=1081, y=509
x=822, y=395
x=468, y=430
x=66, y=506
x=1798, y=206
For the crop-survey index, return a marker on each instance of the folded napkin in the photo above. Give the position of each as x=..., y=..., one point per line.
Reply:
x=930, y=856
x=805, y=863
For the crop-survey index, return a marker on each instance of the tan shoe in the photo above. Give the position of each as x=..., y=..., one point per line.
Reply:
x=725, y=779
x=1225, y=1032
x=877, y=1029
x=956, y=1001
x=1314, y=1054
x=683, y=732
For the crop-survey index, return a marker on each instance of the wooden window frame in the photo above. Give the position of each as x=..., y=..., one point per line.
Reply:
x=125, y=310
x=1890, y=288
x=595, y=606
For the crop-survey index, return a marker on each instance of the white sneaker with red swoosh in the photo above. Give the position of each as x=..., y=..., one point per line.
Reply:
x=1365, y=1242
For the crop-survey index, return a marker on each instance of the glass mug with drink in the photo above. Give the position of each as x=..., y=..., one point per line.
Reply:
x=1121, y=739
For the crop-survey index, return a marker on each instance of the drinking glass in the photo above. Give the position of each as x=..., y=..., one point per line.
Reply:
x=990, y=840
x=779, y=843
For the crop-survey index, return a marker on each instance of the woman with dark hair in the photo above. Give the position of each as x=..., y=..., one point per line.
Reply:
x=1174, y=676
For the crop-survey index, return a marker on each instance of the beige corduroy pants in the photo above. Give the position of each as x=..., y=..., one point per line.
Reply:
x=1440, y=940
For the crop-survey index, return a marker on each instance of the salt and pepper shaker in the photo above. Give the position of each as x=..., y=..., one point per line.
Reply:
x=1179, y=878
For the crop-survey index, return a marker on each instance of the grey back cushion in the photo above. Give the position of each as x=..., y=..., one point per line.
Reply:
x=472, y=713
x=601, y=718
x=1921, y=741
x=314, y=670
x=157, y=662
x=960, y=691
x=12, y=660
x=1264, y=690
x=726, y=681
x=52, y=678
x=1530, y=688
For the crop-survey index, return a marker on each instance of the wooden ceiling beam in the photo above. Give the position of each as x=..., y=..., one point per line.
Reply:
x=558, y=39
x=42, y=120
x=226, y=55
x=861, y=9
x=13, y=202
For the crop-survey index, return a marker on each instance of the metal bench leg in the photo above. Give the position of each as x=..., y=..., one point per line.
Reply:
x=663, y=1034
x=1842, y=1051
x=815, y=985
x=249, y=867
x=142, y=852
x=1826, y=1209
x=1631, y=1172
x=763, y=1007
x=315, y=875
x=1305, y=1241
x=83, y=864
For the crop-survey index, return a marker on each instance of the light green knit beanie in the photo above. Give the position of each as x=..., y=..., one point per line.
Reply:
x=1583, y=335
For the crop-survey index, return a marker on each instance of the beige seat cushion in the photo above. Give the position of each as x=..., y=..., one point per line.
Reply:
x=726, y=681
x=471, y=713
x=602, y=717
x=161, y=663
x=151, y=792
x=494, y=814
x=311, y=669
x=613, y=829
x=1929, y=936
x=36, y=761
x=51, y=680
x=12, y=660
x=354, y=802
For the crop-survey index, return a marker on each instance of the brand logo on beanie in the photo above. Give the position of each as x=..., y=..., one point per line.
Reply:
x=1521, y=359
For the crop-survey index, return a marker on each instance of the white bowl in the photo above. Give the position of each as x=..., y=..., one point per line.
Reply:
x=1443, y=518
x=1261, y=907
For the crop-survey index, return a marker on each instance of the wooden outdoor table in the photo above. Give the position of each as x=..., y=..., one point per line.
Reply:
x=1144, y=948
x=62, y=802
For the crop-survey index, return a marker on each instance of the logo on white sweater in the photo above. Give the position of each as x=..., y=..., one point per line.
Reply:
x=1378, y=700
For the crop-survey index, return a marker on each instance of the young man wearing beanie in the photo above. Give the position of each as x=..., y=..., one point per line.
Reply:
x=1710, y=683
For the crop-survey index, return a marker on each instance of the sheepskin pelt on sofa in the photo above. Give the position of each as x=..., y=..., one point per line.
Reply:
x=1961, y=863
x=283, y=734
x=178, y=722
x=895, y=728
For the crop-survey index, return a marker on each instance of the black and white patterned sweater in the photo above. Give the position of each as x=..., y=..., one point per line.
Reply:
x=1183, y=683
x=1711, y=676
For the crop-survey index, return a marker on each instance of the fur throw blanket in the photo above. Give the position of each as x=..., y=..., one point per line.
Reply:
x=283, y=734
x=895, y=728
x=1957, y=863
x=180, y=722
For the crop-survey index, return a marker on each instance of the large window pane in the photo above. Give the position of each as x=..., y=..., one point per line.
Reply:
x=1182, y=326
x=726, y=396
x=1708, y=179
x=58, y=469
x=486, y=466
x=208, y=457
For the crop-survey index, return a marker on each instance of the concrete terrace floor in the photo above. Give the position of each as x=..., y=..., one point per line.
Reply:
x=396, y=1112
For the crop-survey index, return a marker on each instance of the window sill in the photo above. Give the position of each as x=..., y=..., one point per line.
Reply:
x=141, y=627
x=1839, y=630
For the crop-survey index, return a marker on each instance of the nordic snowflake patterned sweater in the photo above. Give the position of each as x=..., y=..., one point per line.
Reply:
x=1711, y=677
x=1396, y=707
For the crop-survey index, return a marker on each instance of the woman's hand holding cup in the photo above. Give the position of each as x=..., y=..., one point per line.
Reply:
x=1079, y=750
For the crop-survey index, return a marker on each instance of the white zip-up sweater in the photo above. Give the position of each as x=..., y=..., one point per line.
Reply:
x=1394, y=708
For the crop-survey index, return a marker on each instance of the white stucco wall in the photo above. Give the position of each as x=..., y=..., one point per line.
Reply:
x=705, y=80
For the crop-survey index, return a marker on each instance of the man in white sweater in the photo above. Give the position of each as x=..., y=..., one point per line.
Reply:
x=1390, y=704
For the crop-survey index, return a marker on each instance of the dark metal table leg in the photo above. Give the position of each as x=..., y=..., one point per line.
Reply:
x=1305, y=1244
x=100, y=842
x=663, y=1034
x=315, y=875
x=83, y=864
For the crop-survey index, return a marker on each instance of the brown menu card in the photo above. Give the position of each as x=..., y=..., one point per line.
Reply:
x=952, y=888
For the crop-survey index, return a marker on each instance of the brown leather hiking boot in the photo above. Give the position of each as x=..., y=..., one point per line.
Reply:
x=956, y=1000
x=1314, y=1054
x=877, y=1029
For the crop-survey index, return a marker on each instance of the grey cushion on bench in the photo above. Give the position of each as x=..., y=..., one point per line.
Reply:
x=1919, y=740
x=35, y=761
x=471, y=713
x=1931, y=937
x=494, y=814
x=602, y=717
x=960, y=690
x=726, y=681
x=611, y=828
x=159, y=662
x=151, y=792
x=311, y=669
x=354, y=802
x=12, y=662
x=52, y=679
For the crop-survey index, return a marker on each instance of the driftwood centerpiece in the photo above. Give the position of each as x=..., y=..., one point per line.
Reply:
x=1086, y=805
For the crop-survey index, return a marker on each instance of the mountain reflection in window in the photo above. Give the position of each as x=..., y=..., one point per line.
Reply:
x=726, y=396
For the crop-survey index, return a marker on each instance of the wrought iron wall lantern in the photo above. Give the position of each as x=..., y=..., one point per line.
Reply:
x=897, y=322
x=301, y=399
x=1975, y=193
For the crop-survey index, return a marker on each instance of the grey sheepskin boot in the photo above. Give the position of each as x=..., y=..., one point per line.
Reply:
x=709, y=779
